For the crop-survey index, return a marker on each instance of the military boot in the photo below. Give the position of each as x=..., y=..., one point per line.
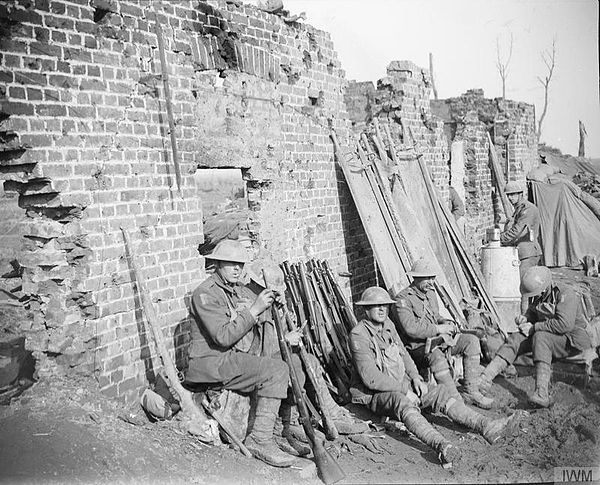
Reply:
x=471, y=391
x=260, y=441
x=422, y=429
x=541, y=396
x=442, y=375
x=497, y=365
x=286, y=413
x=490, y=429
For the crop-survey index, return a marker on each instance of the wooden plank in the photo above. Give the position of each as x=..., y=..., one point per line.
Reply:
x=373, y=222
x=498, y=178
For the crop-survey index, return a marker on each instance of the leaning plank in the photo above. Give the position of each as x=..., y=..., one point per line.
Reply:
x=383, y=246
x=498, y=177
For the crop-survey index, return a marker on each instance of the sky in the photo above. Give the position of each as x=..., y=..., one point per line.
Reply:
x=463, y=36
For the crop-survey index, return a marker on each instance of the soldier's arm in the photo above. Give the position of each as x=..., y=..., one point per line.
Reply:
x=514, y=232
x=413, y=327
x=213, y=316
x=564, y=315
x=365, y=364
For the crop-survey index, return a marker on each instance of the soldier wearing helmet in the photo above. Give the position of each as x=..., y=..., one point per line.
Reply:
x=226, y=348
x=522, y=230
x=428, y=335
x=553, y=327
x=387, y=381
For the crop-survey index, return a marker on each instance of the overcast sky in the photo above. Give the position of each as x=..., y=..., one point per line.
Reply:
x=462, y=35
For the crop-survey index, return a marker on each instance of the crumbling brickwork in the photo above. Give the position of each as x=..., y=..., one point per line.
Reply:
x=511, y=126
x=403, y=97
x=87, y=148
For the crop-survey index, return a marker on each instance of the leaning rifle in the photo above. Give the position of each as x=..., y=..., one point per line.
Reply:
x=328, y=469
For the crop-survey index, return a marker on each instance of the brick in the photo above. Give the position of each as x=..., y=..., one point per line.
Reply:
x=16, y=108
x=51, y=110
x=16, y=92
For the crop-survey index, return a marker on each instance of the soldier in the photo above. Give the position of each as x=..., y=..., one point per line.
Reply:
x=554, y=326
x=418, y=320
x=226, y=346
x=388, y=382
x=522, y=231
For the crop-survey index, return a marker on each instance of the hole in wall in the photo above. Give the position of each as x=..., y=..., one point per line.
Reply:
x=99, y=14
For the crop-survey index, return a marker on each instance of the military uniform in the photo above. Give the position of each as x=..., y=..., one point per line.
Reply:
x=383, y=377
x=522, y=230
x=559, y=330
x=418, y=316
x=229, y=347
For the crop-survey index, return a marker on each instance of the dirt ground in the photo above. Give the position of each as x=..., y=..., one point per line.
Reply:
x=65, y=431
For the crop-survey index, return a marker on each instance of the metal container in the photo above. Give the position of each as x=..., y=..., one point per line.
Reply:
x=500, y=269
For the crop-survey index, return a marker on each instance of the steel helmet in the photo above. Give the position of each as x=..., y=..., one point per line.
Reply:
x=229, y=250
x=535, y=280
x=422, y=269
x=375, y=295
x=513, y=187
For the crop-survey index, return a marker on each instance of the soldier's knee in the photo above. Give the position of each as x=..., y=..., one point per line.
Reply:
x=471, y=344
x=436, y=357
x=278, y=371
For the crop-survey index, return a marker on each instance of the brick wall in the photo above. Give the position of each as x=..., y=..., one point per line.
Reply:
x=511, y=125
x=11, y=240
x=90, y=152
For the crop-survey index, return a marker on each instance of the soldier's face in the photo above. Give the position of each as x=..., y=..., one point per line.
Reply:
x=424, y=284
x=514, y=198
x=377, y=313
x=230, y=271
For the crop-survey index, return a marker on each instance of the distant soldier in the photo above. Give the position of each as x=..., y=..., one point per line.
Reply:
x=427, y=335
x=553, y=327
x=387, y=381
x=522, y=231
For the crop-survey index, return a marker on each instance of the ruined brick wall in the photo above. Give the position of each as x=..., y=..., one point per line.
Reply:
x=358, y=97
x=90, y=152
x=511, y=126
x=11, y=240
x=403, y=96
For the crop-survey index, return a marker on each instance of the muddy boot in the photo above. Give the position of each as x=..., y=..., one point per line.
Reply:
x=497, y=365
x=260, y=441
x=471, y=392
x=422, y=429
x=541, y=396
x=490, y=429
x=286, y=418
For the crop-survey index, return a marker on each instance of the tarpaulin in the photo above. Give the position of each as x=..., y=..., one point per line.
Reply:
x=570, y=165
x=569, y=229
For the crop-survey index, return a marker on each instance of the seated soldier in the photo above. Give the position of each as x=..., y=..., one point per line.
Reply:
x=554, y=326
x=387, y=381
x=418, y=319
x=226, y=347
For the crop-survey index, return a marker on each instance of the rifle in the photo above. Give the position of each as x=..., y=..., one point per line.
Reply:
x=328, y=469
x=350, y=316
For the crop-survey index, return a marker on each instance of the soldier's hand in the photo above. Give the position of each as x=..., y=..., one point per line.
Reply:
x=445, y=328
x=526, y=328
x=420, y=387
x=263, y=301
x=294, y=338
x=520, y=320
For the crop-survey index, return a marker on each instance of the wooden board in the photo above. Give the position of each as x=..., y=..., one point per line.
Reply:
x=373, y=220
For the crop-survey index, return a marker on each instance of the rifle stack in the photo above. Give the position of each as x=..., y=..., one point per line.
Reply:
x=326, y=318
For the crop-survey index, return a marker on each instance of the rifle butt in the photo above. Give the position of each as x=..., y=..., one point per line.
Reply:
x=328, y=469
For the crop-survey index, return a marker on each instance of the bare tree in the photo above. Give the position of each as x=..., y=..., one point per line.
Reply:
x=502, y=64
x=549, y=58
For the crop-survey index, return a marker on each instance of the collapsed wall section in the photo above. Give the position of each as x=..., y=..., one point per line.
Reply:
x=90, y=152
x=511, y=126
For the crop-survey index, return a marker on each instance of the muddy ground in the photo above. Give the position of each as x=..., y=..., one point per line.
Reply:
x=65, y=431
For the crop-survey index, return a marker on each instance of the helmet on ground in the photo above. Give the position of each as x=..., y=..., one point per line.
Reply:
x=422, y=269
x=513, y=187
x=535, y=280
x=229, y=250
x=375, y=295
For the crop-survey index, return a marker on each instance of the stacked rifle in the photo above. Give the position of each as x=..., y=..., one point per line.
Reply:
x=325, y=317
